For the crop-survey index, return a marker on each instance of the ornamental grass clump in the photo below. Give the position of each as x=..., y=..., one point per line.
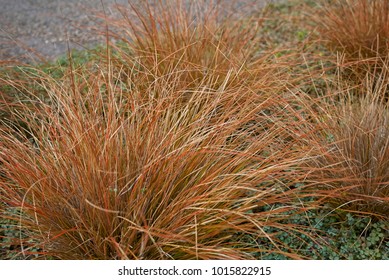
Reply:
x=352, y=160
x=196, y=38
x=153, y=152
x=103, y=174
x=360, y=28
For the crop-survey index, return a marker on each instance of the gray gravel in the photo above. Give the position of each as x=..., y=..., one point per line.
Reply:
x=33, y=29
x=30, y=29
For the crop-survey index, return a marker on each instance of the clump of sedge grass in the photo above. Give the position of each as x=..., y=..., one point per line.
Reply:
x=352, y=159
x=197, y=38
x=171, y=149
x=102, y=174
x=360, y=28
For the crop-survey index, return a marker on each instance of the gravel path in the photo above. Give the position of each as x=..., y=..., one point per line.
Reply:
x=30, y=29
x=46, y=27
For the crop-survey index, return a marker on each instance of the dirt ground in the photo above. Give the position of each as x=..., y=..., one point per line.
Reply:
x=33, y=30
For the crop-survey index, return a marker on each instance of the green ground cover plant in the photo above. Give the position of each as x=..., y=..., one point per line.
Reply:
x=200, y=135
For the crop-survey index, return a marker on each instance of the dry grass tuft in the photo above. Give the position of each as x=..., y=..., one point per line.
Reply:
x=360, y=28
x=353, y=150
x=170, y=149
x=104, y=174
x=196, y=39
